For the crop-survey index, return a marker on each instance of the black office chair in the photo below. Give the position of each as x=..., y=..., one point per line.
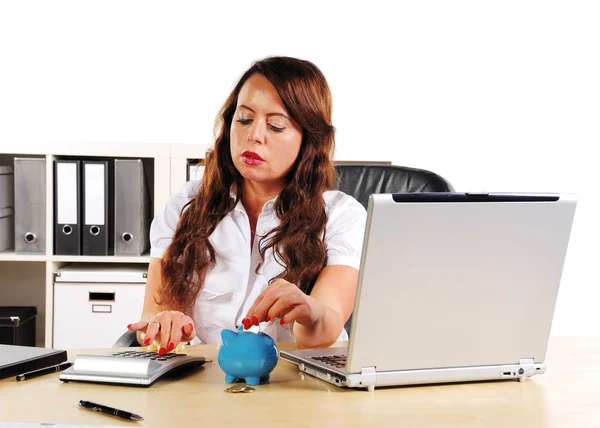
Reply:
x=126, y=340
x=360, y=181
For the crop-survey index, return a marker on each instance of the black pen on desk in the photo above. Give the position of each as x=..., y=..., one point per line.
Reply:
x=41, y=372
x=110, y=410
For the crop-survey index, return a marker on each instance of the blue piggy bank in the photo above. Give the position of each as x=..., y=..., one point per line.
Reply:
x=246, y=355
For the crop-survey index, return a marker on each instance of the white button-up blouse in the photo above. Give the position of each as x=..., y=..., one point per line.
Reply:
x=232, y=285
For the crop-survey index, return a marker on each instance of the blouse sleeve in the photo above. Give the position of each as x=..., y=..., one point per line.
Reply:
x=345, y=231
x=165, y=222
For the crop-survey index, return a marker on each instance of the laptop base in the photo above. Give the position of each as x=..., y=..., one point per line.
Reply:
x=369, y=378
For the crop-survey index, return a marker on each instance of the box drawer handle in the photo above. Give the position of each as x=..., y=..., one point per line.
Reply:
x=104, y=297
x=103, y=309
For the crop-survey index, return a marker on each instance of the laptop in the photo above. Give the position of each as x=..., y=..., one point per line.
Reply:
x=15, y=360
x=452, y=287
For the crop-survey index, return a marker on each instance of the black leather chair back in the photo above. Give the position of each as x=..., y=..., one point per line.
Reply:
x=362, y=180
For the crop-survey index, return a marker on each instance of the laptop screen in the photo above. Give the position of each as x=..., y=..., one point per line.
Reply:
x=458, y=279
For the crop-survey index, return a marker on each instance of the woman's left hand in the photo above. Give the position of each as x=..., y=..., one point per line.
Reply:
x=285, y=301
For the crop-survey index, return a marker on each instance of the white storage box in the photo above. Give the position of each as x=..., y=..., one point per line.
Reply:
x=94, y=303
x=6, y=186
x=6, y=228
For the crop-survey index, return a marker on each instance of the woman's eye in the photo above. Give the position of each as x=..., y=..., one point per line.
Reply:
x=244, y=121
x=276, y=128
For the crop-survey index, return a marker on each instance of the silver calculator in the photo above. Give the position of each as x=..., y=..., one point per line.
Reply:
x=136, y=368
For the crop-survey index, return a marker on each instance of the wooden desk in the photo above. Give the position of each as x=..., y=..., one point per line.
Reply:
x=567, y=395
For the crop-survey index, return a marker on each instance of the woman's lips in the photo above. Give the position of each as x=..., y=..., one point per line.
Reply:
x=251, y=158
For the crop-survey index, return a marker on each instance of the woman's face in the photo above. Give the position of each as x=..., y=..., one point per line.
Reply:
x=265, y=140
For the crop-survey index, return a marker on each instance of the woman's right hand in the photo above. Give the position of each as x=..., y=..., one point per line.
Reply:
x=172, y=326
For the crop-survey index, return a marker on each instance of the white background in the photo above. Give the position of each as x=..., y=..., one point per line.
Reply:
x=497, y=96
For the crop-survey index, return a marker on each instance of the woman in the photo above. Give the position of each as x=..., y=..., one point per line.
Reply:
x=262, y=240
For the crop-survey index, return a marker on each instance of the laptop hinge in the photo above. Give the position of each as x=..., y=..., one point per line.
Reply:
x=368, y=377
x=526, y=369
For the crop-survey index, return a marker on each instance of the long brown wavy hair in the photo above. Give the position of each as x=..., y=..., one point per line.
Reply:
x=298, y=240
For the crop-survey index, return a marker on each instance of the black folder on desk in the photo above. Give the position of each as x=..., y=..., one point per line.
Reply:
x=15, y=360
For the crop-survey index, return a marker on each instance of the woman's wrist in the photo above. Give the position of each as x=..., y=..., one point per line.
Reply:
x=323, y=332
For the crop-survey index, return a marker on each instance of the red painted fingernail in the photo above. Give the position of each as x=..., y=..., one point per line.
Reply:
x=147, y=341
x=171, y=347
x=282, y=322
x=254, y=320
x=162, y=350
x=247, y=323
x=129, y=326
x=267, y=318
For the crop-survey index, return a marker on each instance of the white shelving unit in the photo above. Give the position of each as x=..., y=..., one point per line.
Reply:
x=28, y=280
x=180, y=154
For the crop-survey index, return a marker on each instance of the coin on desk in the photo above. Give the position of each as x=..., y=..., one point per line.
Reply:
x=237, y=387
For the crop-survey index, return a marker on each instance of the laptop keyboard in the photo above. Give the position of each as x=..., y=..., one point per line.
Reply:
x=337, y=361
